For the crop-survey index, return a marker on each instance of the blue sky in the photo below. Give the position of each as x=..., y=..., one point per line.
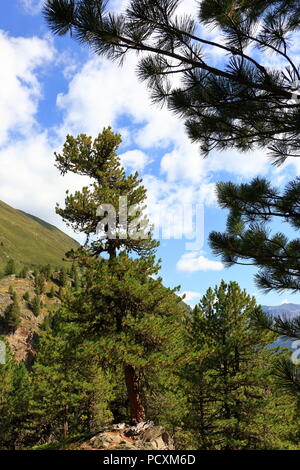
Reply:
x=52, y=86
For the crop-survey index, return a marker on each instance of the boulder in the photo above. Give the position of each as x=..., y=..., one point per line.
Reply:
x=143, y=436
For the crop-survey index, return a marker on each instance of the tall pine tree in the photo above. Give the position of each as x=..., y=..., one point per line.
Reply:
x=120, y=296
x=234, y=402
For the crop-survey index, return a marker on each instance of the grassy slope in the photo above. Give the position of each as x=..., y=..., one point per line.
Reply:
x=29, y=240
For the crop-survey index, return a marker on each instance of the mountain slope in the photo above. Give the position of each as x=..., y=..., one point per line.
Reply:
x=286, y=310
x=289, y=310
x=29, y=240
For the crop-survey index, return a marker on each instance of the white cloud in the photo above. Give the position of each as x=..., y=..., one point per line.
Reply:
x=244, y=164
x=28, y=177
x=190, y=297
x=100, y=94
x=20, y=90
x=118, y=6
x=184, y=162
x=186, y=7
x=192, y=262
x=134, y=159
x=29, y=180
x=33, y=7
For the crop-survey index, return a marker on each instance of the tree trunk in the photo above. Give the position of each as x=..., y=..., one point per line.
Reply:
x=66, y=423
x=133, y=392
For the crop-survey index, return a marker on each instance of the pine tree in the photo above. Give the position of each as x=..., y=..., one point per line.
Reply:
x=75, y=277
x=62, y=277
x=123, y=277
x=136, y=322
x=47, y=271
x=70, y=393
x=39, y=283
x=11, y=292
x=12, y=314
x=98, y=160
x=21, y=391
x=26, y=296
x=234, y=402
x=60, y=293
x=36, y=305
x=224, y=105
x=248, y=238
x=14, y=400
x=52, y=293
x=23, y=273
x=10, y=268
x=6, y=387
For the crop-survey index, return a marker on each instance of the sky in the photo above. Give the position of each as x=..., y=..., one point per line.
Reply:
x=51, y=87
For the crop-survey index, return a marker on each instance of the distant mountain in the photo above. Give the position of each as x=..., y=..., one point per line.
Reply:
x=29, y=240
x=288, y=310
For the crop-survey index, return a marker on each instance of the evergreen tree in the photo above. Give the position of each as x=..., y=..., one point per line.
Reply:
x=39, y=284
x=12, y=314
x=286, y=371
x=75, y=277
x=135, y=321
x=224, y=105
x=52, y=293
x=26, y=296
x=23, y=273
x=14, y=400
x=98, y=160
x=36, y=305
x=21, y=394
x=70, y=393
x=36, y=272
x=248, y=238
x=62, y=277
x=234, y=402
x=11, y=292
x=60, y=293
x=6, y=387
x=10, y=268
x=47, y=271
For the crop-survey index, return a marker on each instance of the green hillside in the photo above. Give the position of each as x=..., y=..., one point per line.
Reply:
x=30, y=240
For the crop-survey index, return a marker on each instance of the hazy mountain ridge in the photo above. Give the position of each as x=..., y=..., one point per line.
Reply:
x=290, y=311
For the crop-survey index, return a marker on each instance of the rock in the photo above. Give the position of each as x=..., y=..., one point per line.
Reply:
x=152, y=433
x=125, y=445
x=119, y=427
x=106, y=440
x=143, y=436
x=157, y=438
x=5, y=300
x=139, y=428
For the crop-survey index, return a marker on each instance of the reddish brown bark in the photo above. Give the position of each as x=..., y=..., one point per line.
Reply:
x=134, y=396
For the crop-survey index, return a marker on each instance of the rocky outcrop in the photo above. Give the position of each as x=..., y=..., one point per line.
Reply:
x=144, y=436
x=22, y=342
